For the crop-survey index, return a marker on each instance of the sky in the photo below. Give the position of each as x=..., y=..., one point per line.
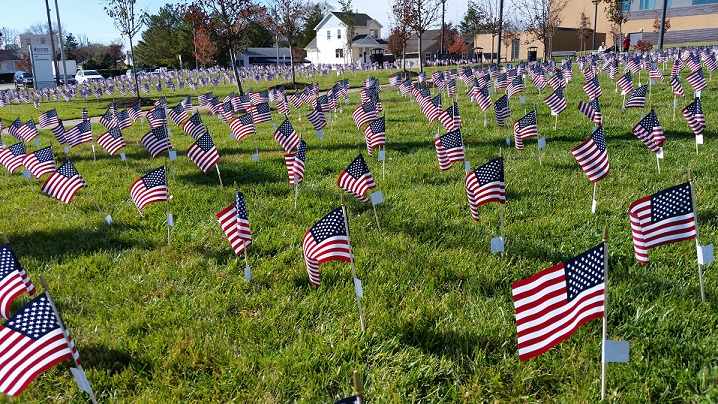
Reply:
x=87, y=18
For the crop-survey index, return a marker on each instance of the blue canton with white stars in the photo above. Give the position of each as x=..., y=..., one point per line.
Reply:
x=8, y=263
x=35, y=319
x=160, y=133
x=528, y=120
x=671, y=202
x=18, y=149
x=599, y=139
x=286, y=128
x=331, y=225
x=584, y=271
x=452, y=140
x=155, y=178
x=246, y=119
x=378, y=126
x=490, y=172
x=358, y=167
x=68, y=170
x=205, y=142
x=241, y=206
x=301, y=151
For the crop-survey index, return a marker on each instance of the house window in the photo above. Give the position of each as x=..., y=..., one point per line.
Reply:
x=42, y=41
x=339, y=53
x=372, y=32
x=339, y=34
x=647, y=4
x=427, y=56
x=329, y=34
x=515, y=45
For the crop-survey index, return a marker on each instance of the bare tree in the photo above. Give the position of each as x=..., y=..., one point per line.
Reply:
x=129, y=23
x=584, y=29
x=421, y=15
x=492, y=21
x=509, y=34
x=616, y=16
x=229, y=21
x=400, y=33
x=288, y=22
x=542, y=19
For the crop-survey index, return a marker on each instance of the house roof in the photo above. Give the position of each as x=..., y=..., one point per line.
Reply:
x=9, y=55
x=428, y=40
x=362, y=20
x=267, y=52
x=312, y=44
x=367, y=40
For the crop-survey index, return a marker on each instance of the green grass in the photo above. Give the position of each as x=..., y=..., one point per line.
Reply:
x=159, y=323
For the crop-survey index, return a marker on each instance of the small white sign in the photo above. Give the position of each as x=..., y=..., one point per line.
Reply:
x=593, y=206
x=26, y=174
x=300, y=119
x=170, y=220
x=169, y=131
x=329, y=116
x=522, y=99
x=381, y=156
x=37, y=142
x=698, y=94
x=699, y=139
x=274, y=125
x=660, y=154
x=255, y=157
x=358, y=288
x=93, y=148
x=484, y=123
x=467, y=166
x=497, y=245
x=66, y=149
x=675, y=103
x=541, y=143
x=617, y=351
x=247, y=274
x=320, y=134
x=108, y=219
x=122, y=156
x=508, y=141
x=341, y=110
x=173, y=154
x=81, y=380
x=231, y=135
x=491, y=91
x=376, y=198
x=553, y=113
x=705, y=254
x=142, y=120
x=653, y=82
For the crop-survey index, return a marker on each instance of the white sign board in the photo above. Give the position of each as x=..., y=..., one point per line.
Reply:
x=41, y=59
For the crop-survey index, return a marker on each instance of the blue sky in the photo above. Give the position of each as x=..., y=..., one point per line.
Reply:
x=88, y=17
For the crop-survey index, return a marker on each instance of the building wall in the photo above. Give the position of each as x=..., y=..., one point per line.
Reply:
x=328, y=44
x=25, y=40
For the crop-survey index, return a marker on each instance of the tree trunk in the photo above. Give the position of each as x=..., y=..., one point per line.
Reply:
x=403, y=57
x=134, y=69
x=233, y=61
x=291, y=63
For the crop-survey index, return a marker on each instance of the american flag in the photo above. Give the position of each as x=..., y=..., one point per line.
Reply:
x=178, y=114
x=552, y=304
x=482, y=97
x=516, y=86
x=156, y=141
x=677, y=67
x=203, y=99
x=79, y=134
x=295, y=163
x=326, y=241
x=13, y=128
x=650, y=132
x=449, y=148
x=296, y=100
x=693, y=62
x=194, y=126
x=524, y=128
x=395, y=80
x=364, y=113
x=592, y=89
x=501, y=108
x=156, y=117
x=592, y=157
x=12, y=157
x=538, y=78
x=36, y=342
x=225, y=110
x=261, y=113
x=677, y=88
x=501, y=81
x=405, y=86
x=282, y=105
x=451, y=87
x=59, y=132
x=485, y=184
x=286, y=136
x=316, y=118
x=556, y=102
x=654, y=73
x=150, y=188
x=123, y=119
x=108, y=119
x=187, y=103
x=203, y=153
x=13, y=280
x=637, y=98
x=322, y=103
x=696, y=79
x=40, y=162
x=357, y=179
x=64, y=183
x=234, y=220
x=694, y=115
x=27, y=132
x=557, y=80
x=626, y=83
x=135, y=111
x=48, y=118
x=242, y=126
x=161, y=103
x=375, y=134
x=431, y=107
x=112, y=140
x=592, y=110
x=662, y=218
x=451, y=118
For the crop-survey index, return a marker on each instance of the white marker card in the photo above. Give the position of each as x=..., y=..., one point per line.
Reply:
x=108, y=219
x=247, y=274
x=26, y=174
x=381, y=156
x=508, y=141
x=37, y=142
x=467, y=166
x=123, y=157
x=541, y=143
x=173, y=154
x=376, y=198
x=522, y=99
x=699, y=139
x=660, y=154
x=231, y=135
x=705, y=254
x=358, y=288
x=66, y=149
x=617, y=351
x=593, y=206
x=170, y=220
x=320, y=134
x=497, y=245
x=255, y=157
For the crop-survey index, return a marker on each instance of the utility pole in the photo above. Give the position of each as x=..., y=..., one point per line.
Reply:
x=595, y=20
x=663, y=25
x=441, y=46
x=62, y=47
x=52, y=43
x=501, y=28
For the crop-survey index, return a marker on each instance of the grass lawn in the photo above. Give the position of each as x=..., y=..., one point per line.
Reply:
x=177, y=323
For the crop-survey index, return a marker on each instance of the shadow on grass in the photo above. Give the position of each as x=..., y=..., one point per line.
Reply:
x=247, y=173
x=113, y=361
x=425, y=334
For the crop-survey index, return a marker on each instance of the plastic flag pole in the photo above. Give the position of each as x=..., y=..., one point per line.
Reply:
x=247, y=271
x=219, y=175
x=108, y=218
x=58, y=318
x=502, y=207
x=358, y=388
x=605, y=312
x=296, y=192
x=675, y=103
x=383, y=166
x=658, y=163
x=170, y=219
x=593, y=201
x=351, y=261
x=698, y=243
x=555, y=123
x=256, y=143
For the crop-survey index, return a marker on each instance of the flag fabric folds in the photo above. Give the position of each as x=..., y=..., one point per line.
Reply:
x=295, y=163
x=112, y=140
x=552, y=304
x=150, y=188
x=524, y=128
x=326, y=241
x=375, y=134
x=592, y=110
x=79, y=134
x=48, y=118
x=592, y=157
x=357, y=179
x=693, y=113
x=501, y=108
x=203, y=153
x=286, y=136
x=13, y=280
x=449, y=148
x=451, y=118
x=12, y=157
x=650, y=132
x=156, y=141
x=556, y=101
x=234, y=221
x=194, y=126
x=242, y=126
x=40, y=162
x=364, y=113
x=662, y=218
x=637, y=98
x=64, y=183
x=485, y=184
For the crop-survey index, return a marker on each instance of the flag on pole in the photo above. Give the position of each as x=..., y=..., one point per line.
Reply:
x=135, y=111
x=156, y=141
x=295, y=163
x=261, y=113
x=592, y=157
x=26, y=132
x=178, y=114
x=501, y=108
x=696, y=79
x=112, y=140
x=79, y=134
x=357, y=179
x=662, y=218
x=515, y=87
x=194, y=126
x=59, y=132
x=375, y=134
x=13, y=280
x=431, y=107
x=64, y=183
x=592, y=110
x=48, y=118
x=593, y=89
x=156, y=117
x=485, y=184
x=650, y=132
x=40, y=162
x=449, y=148
x=525, y=128
x=694, y=115
x=150, y=188
x=364, y=113
x=108, y=119
x=203, y=153
x=123, y=119
x=286, y=136
x=326, y=241
x=234, y=220
x=552, y=304
x=242, y=126
x=637, y=98
x=451, y=119
x=625, y=82
x=556, y=102
x=677, y=88
x=317, y=119
x=12, y=157
x=35, y=343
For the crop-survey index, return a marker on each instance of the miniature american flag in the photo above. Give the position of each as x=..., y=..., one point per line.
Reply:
x=326, y=241
x=40, y=162
x=64, y=183
x=112, y=140
x=203, y=153
x=150, y=188
x=156, y=141
x=295, y=163
x=13, y=280
x=286, y=136
x=242, y=126
x=485, y=184
x=592, y=157
x=650, y=132
x=12, y=157
x=357, y=179
x=449, y=148
x=234, y=220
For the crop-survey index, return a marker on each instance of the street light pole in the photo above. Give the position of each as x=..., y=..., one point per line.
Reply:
x=52, y=43
x=441, y=47
x=595, y=19
x=663, y=25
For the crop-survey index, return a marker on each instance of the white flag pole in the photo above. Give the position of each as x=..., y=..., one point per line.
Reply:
x=593, y=201
x=605, y=312
x=219, y=175
x=502, y=205
x=658, y=163
x=358, y=388
x=58, y=318
x=169, y=215
x=351, y=261
x=698, y=243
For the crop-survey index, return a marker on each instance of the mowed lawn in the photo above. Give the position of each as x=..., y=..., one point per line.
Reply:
x=178, y=323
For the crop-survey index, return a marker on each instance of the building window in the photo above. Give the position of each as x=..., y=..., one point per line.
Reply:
x=329, y=34
x=427, y=56
x=339, y=34
x=339, y=53
x=372, y=32
x=28, y=41
x=42, y=41
x=647, y=4
x=626, y=5
x=515, y=45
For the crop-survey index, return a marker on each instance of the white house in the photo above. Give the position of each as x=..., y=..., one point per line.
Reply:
x=330, y=46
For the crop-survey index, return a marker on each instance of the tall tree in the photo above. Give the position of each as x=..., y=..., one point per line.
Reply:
x=129, y=23
x=509, y=34
x=400, y=32
x=584, y=29
x=288, y=22
x=167, y=36
x=349, y=18
x=204, y=49
x=421, y=16
x=228, y=21
x=474, y=21
x=455, y=42
x=71, y=46
x=616, y=16
x=313, y=15
x=492, y=21
x=542, y=19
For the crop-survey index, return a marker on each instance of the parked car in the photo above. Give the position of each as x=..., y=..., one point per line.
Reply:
x=23, y=79
x=139, y=72
x=70, y=79
x=89, y=76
